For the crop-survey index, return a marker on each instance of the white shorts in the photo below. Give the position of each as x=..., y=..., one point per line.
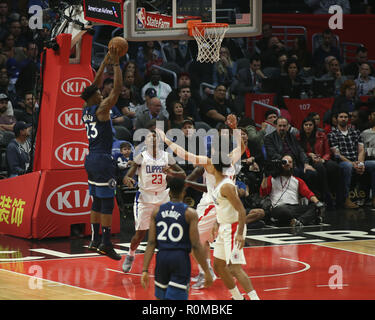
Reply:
x=224, y=246
x=206, y=221
x=143, y=211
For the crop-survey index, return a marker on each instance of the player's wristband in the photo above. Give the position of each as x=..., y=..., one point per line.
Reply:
x=144, y=271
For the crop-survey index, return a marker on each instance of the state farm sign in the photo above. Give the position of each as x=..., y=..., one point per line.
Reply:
x=71, y=119
x=72, y=153
x=74, y=86
x=71, y=199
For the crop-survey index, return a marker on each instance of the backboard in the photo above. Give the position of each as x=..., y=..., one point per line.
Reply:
x=166, y=19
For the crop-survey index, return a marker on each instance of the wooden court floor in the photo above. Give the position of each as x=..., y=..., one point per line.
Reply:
x=315, y=264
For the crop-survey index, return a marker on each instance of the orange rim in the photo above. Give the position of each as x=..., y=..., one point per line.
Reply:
x=201, y=26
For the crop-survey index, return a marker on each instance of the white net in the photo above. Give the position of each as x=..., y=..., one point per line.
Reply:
x=209, y=41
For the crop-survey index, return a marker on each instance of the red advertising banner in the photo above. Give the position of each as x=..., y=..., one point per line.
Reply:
x=258, y=110
x=63, y=199
x=16, y=205
x=61, y=133
x=300, y=108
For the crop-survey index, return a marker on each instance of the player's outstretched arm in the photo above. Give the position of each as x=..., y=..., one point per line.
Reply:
x=151, y=244
x=192, y=218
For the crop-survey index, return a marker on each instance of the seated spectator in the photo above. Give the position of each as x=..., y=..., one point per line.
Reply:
x=322, y=6
x=334, y=73
x=147, y=55
x=149, y=94
x=248, y=80
x=285, y=191
x=289, y=86
x=316, y=117
x=225, y=69
x=153, y=112
x=132, y=68
x=346, y=100
x=327, y=48
x=365, y=83
x=347, y=146
x=126, y=103
x=301, y=53
x=281, y=142
x=176, y=116
x=270, y=55
x=177, y=51
x=18, y=150
x=262, y=43
x=368, y=137
x=135, y=91
x=189, y=104
x=352, y=69
x=124, y=160
x=215, y=110
x=6, y=121
x=30, y=106
x=162, y=88
x=315, y=144
x=20, y=39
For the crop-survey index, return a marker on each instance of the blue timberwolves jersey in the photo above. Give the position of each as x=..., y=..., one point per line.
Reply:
x=172, y=230
x=99, y=133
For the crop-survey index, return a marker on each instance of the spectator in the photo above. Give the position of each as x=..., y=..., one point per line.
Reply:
x=327, y=48
x=347, y=145
x=153, y=112
x=178, y=52
x=149, y=94
x=346, y=100
x=6, y=121
x=28, y=70
x=322, y=6
x=4, y=88
x=289, y=86
x=281, y=142
x=315, y=144
x=20, y=39
x=274, y=49
x=135, y=92
x=126, y=103
x=176, y=116
x=368, y=137
x=190, y=106
x=301, y=53
x=28, y=114
x=316, y=117
x=18, y=150
x=352, y=69
x=285, y=191
x=365, y=83
x=162, y=89
x=262, y=44
x=248, y=81
x=133, y=69
x=4, y=18
x=334, y=73
x=124, y=160
x=225, y=69
x=215, y=110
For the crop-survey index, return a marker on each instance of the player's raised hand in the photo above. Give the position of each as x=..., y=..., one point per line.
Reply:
x=231, y=121
x=160, y=134
x=114, y=54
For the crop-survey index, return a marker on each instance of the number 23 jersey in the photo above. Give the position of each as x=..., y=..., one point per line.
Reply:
x=152, y=181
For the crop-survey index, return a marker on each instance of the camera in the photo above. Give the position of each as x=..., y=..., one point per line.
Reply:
x=274, y=167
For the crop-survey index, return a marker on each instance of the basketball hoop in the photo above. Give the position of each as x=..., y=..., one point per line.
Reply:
x=209, y=37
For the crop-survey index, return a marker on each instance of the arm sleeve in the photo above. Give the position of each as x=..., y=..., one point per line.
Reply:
x=266, y=191
x=304, y=190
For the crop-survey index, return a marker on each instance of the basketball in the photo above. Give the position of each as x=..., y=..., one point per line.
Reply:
x=121, y=43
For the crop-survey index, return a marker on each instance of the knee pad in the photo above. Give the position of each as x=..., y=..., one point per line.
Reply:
x=96, y=204
x=107, y=205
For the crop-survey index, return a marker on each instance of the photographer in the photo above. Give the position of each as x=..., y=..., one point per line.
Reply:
x=285, y=191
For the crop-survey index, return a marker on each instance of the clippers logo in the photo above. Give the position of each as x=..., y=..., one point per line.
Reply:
x=71, y=199
x=71, y=119
x=72, y=154
x=73, y=87
x=141, y=17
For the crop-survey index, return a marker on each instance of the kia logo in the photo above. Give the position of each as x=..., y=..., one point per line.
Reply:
x=71, y=199
x=72, y=154
x=71, y=119
x=74, y=86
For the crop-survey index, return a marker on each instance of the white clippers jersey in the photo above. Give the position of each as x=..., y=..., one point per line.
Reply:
x=225, y=213
x=151, y=179
x=210, y=181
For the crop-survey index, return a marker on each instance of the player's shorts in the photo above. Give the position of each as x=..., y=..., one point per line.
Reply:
x=143, y=210
x=225, y=247
x=172, y=274
x=206, y=221
x=101, y=173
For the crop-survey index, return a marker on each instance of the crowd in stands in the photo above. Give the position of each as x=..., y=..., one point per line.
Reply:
x=324, y=149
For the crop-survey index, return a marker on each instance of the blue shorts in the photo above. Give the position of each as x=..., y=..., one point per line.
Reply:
x=101, y=173
x=172, y=275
